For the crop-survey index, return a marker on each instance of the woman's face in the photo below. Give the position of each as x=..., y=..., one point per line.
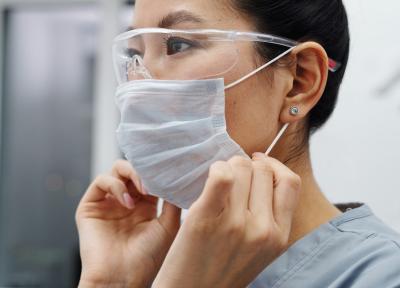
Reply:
x=253, y=107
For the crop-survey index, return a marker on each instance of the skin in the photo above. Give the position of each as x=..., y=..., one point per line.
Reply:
x=105, y=219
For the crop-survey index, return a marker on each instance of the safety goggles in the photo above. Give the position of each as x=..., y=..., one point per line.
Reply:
x=167, y=54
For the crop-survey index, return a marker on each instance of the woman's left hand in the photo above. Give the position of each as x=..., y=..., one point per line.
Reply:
x=239, y=225
x=122, y=243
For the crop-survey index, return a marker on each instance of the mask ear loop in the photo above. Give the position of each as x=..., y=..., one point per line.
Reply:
x=277, y=138
x=259, y=69
x=284, y=128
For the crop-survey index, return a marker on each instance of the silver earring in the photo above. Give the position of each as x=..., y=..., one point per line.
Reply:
x=294, y=111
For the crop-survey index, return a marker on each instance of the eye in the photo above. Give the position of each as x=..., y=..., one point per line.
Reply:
x=176, y=45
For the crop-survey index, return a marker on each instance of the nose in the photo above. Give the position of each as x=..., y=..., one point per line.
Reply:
x=137, y=69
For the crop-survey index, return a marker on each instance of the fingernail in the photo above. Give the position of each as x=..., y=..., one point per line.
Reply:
x=129, y=203
x=259, y=155
x=144, y=191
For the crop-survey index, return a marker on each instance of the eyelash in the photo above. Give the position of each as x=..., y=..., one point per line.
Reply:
x=165, y=42
x=192, y=44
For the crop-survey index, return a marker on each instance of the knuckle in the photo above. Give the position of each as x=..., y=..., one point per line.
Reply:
x=108, y=183
x=121, y=162
x=235, y=229
x=265, y=234
x=241, y=162
x=217, y=165
x=123, y=165
x=79, y=212
x=118, y=163
x=259, y=238
x=280, y=237
x=100, y=178
x=294, y=182
x=221, y=173
x=84, y=212
x=281, y=242
x=263, y=166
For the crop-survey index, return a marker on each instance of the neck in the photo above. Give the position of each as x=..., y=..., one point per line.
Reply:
x=313, y=208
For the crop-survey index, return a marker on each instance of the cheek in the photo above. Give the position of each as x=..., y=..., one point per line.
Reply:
x=252, y=114
x=253, y=106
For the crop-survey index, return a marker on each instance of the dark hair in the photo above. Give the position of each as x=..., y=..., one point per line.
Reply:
x=322, y=21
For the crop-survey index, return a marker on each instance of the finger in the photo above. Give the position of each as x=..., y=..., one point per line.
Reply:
x=214, y=198
x=242, y=171
x=107, y=184
x=123, y=170
x=287, y=190
x=170, y=217
x=262, y=190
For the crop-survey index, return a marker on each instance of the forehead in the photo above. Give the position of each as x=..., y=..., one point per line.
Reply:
x=196, y=14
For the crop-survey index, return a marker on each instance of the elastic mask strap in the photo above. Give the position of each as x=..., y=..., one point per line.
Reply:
x=277, y=138
x=259, y=69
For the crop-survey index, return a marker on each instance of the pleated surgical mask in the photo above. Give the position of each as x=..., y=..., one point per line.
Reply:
x=172, y=131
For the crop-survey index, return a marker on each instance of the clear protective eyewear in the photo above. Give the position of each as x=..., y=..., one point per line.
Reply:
x=167, y=54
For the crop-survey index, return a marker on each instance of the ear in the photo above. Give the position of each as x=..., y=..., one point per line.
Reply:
x=309, y=80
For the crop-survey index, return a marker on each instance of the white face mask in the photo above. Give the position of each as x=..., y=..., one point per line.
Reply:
x=173, y=131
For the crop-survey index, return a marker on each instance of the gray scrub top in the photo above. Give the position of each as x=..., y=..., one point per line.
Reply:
x=355, y=249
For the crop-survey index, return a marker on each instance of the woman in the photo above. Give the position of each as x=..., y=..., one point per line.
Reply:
x=248, y=222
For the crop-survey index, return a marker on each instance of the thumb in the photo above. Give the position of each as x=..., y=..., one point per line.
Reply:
x=170, y=217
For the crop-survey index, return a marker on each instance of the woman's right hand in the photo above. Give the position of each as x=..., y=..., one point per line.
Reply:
x=240, y=224
x=122, y=241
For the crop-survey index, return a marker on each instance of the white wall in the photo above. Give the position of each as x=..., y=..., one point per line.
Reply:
x=357, y=155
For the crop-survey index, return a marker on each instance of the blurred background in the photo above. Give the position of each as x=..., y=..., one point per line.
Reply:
x=57, y=123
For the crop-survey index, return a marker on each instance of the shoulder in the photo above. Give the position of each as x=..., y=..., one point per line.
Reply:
x=362, y=224
x=372, y=250
x=378, y=264
x=354, y=250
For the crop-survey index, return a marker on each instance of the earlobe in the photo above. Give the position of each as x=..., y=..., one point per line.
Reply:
x=309, y=81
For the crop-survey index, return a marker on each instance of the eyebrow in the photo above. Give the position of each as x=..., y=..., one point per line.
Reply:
x=176, y=18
